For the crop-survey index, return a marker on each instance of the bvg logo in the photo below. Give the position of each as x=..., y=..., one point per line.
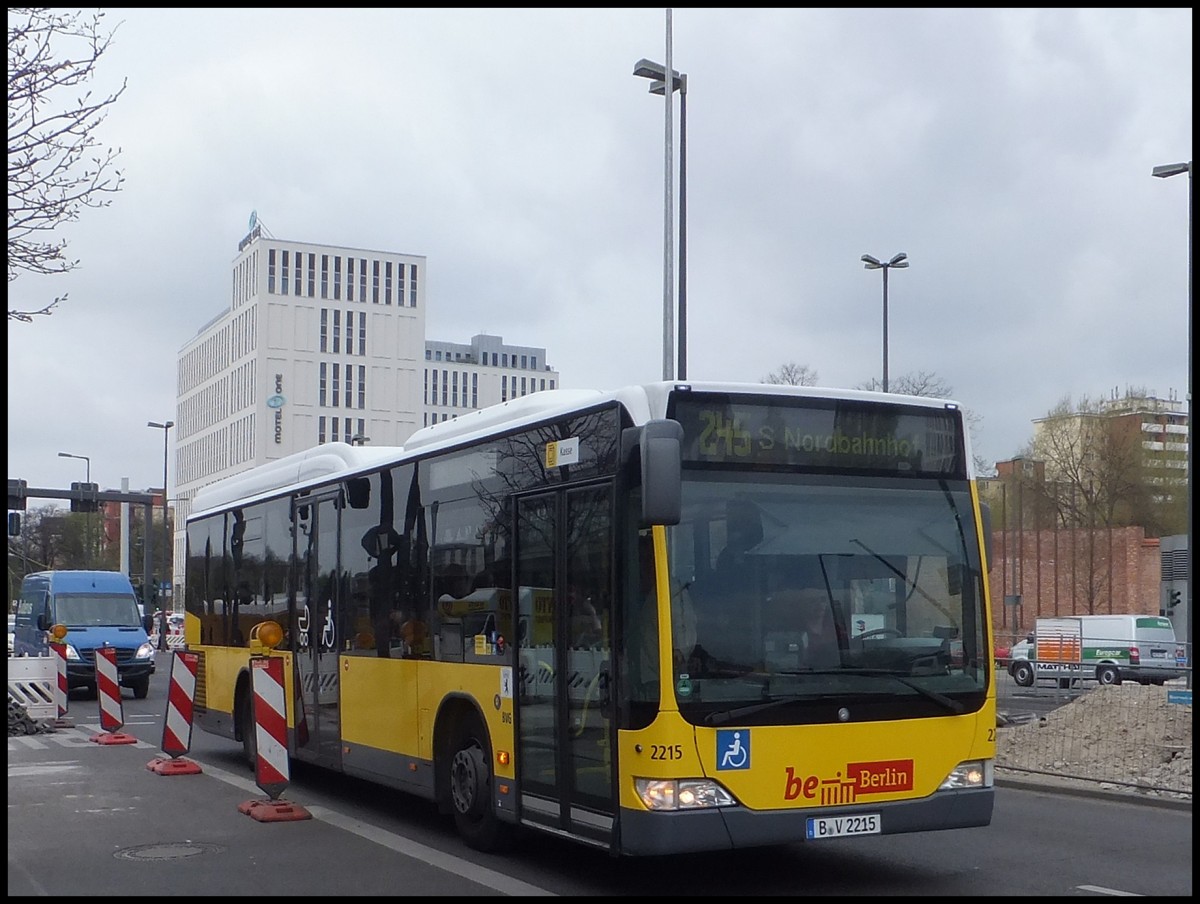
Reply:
x=882, y=777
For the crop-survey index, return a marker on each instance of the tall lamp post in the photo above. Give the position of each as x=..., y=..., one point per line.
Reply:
x=88, y=463
x=165, y=428
x=900, y=261
x=1162, y=172
x=657, y=73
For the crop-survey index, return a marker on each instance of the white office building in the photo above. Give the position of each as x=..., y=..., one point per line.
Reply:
x=325, y=344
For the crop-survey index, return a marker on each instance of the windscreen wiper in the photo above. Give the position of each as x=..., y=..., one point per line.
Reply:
x=723, y=717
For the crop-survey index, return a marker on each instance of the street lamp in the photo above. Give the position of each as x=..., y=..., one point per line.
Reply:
x=88, y=463
x=900, y=261
x=166, y=530
x=651, y=70
x=1162, y=172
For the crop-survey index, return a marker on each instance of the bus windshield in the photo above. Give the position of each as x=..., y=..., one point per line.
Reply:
x=828, y=589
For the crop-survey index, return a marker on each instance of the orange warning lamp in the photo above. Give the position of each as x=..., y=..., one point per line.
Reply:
x=266, y=634
x=57, y=633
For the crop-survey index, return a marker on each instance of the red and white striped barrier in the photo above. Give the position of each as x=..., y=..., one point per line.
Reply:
x=177, y=724
x=61, y=691
x=270, y=735
x=108, y=693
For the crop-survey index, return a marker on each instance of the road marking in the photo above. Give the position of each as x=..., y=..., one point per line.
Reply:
x=482, y=875
x=1101, y=890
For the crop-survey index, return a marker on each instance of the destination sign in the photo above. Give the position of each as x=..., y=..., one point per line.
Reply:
x=822, y=434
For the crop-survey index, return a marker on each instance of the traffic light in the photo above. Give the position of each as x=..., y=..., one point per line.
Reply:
x=1175, y=599
x=83, y=497
x=16, y=494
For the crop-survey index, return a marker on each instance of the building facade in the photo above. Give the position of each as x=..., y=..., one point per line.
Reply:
x=323, y=344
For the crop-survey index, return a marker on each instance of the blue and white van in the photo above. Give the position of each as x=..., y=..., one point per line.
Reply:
x=99, y=609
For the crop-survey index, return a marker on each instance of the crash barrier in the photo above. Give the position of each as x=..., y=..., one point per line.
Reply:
x=177, y=724
x=62, y=688
x=175, y=641
x=108, y=694
x=31, y=683
x=1128, y=737
x=270, y=737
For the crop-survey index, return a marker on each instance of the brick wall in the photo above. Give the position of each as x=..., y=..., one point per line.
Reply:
x=1072, y=572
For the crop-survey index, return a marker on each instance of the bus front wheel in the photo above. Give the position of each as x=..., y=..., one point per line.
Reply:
x=471, y=790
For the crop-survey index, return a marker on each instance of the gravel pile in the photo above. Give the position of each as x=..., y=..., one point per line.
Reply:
x=1126, y=737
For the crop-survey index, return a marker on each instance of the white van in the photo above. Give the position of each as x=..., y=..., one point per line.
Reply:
x=1107, y=648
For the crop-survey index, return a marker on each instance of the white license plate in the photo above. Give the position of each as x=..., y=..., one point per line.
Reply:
x=840, y=826
x=1158, y=654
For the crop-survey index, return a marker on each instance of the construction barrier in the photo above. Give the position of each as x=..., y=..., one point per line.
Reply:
x=31, y=683
x=63, y=689
x=108, y=693
x=177, y=724
x=270, y=734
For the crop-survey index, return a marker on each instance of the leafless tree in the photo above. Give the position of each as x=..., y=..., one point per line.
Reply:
x=792, y=374
x=55, y=164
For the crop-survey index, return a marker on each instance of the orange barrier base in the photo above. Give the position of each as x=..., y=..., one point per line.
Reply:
x=173, y=766
x=113, y=737
x=273, y=810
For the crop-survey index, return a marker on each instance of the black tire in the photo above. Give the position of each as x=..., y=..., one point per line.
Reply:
x=140, y=687
x=470, y=787
x=246, y=726
x=1022, y=673
x=1108, y=674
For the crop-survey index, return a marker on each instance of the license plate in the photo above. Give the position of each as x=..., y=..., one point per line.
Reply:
x=1158, y=654
x=840, y=826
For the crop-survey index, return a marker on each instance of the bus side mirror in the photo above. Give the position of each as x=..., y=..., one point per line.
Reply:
x=43, y=621
x=662, y=472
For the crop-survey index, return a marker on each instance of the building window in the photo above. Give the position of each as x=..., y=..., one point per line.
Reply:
x=362, y=387
x=474, y=390
x=504, y=360
x=362, y=280
x=387, y=282
x=434, y=395
x=321, y=429
x=334, y=396
x=337, y=277
x=271, y=271
x=324, y=275
x=533, y=362
x=412, y=285
x=504, y=389
x=523, y=386
x=321, y=390
x=543, y=385
x=375, y=282
x=312, y=276
x=362, y=334
x=299, y=274
x=283, y=283
x=428, y=354
x=445, y=386
x=324, y=329
x=551, y=384
x=524, y=361
x=362, y=428
x=454, y=392
x=349, y=332
x=349, y=279
x=337, y=332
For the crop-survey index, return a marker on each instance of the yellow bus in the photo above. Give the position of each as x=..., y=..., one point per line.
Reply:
x=481, y=617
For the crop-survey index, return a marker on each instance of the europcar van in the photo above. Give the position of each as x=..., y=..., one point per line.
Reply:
x=99, y=609
x=1107, y=648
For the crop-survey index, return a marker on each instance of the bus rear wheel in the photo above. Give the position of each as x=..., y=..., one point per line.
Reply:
x=470, y=782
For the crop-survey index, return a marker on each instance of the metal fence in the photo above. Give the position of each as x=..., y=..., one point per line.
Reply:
x=1126, y=736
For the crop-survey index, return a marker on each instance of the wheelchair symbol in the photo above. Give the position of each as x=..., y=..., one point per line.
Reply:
x=733, y=750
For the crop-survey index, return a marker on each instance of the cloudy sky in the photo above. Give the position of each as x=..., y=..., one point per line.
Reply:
x=1008, y=153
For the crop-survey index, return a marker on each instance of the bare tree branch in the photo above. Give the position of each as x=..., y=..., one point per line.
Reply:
x=56, y=167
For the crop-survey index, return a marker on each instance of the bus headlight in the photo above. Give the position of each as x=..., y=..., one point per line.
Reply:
x=971, y=774
x=681, y=794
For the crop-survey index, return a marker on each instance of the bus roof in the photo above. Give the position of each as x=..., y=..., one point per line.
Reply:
x=643, y=402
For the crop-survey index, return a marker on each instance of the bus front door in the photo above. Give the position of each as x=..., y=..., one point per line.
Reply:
x=319, y=620
x=564, y=553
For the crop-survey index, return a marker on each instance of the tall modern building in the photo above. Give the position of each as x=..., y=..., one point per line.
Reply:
x=322, y=344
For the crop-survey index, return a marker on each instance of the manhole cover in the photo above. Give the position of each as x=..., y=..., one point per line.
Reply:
x=171, y=850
